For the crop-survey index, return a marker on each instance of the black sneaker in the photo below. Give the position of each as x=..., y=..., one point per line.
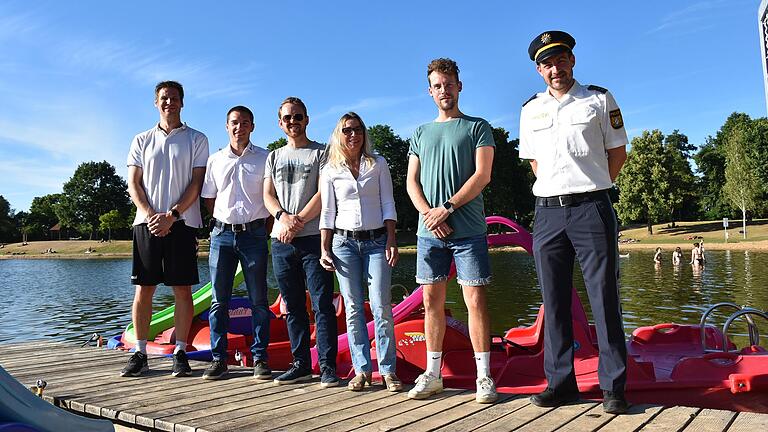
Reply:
x=550, y=398
x=136, y=366
x=261, y=370
x=294, y=375
x=217, y=370
x=328, y=377
x=614, y=402
x=181, y=365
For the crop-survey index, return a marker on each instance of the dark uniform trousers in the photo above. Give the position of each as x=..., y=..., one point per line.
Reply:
x=587, y=231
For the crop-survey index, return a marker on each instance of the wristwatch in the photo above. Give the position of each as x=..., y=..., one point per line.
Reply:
x=278, y=214
x=448, y=206
x=175, y=213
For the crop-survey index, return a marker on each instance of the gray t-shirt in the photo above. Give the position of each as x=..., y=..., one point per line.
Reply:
x=295, y=173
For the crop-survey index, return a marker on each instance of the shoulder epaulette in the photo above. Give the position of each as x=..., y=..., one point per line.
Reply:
x=535, y=95
x=598, y=88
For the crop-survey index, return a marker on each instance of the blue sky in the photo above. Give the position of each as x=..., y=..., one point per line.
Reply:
x=77, y=78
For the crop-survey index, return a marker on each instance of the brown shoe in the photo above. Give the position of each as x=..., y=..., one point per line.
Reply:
x=392, y=382
x=358, y=382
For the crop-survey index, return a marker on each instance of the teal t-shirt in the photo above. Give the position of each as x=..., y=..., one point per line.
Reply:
x=446, y=152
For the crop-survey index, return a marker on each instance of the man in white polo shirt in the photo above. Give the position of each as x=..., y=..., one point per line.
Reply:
x=233, y=194
x=166, y=166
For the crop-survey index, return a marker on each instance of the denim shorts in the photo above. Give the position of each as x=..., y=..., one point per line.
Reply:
x=433, y=260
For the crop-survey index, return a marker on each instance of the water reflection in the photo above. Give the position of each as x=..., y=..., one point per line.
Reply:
x=71, y=299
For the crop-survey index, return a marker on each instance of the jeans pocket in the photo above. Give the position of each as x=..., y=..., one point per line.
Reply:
x=338, y=241
x=380, y=241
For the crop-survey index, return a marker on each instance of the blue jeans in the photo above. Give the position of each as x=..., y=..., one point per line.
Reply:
x=297, y=269
x=434, y=255
x=249, y=248
x=359, y=263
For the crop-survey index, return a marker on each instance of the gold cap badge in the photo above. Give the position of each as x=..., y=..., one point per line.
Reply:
x=546, y=38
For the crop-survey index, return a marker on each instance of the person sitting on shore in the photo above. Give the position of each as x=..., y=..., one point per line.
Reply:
x=657, y=256
x=677, y=256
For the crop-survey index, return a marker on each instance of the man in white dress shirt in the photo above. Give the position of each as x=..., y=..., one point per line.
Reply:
x=232, y=191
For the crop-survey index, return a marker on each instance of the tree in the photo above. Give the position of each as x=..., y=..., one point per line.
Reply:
x=111, y=220
x=274, y=145
x=509, y=193
x=681, y=180
x=395, y=150
x=643, y=181
x=7, y=223
x=94, y=189
x=42, y=215
x=741, y=184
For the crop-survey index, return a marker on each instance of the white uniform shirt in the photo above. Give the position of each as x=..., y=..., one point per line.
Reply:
x=357, y=204
x=568, y=140
x=167, y=161
x=236, y=183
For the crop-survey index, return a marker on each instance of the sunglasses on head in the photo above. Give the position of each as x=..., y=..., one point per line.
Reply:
x=296, y=117
x=348, y=130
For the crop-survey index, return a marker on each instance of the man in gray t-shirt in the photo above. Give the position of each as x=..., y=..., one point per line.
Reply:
x=292, y=197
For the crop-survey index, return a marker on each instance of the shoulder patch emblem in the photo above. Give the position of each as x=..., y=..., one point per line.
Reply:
x=531, y=98
x=598, y=89
x=616, y=121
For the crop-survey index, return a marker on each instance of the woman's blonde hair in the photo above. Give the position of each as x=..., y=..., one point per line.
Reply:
x=337, y=157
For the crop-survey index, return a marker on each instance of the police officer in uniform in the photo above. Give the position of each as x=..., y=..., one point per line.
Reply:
x=575, y=140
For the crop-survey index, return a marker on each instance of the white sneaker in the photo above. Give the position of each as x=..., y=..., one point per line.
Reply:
x=426, y=386
x=486, y=390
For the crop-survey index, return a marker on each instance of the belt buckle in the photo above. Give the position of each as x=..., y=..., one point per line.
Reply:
x=238, y=228
x=560, y=199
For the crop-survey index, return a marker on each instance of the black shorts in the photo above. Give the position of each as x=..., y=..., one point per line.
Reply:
x=170, y=260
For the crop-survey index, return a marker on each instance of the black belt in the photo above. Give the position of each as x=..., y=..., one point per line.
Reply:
x=361, y=235
x=569, y=200
x=249, y=226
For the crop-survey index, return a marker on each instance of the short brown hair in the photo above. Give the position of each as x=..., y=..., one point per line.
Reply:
x=295, y=101
x=170, y=84
x=242, y=110
x=443, y=65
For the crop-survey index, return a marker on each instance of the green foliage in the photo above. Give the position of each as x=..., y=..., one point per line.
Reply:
x=644, y=182
x=395, y=150
x=112, y=220
x=7, y=223
x=274, y=145
x=681, y=193
x=742, y=187
x=509, y=193
x=94, y=189
x=42, y=216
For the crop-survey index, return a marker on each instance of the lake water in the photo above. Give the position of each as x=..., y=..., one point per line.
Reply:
x=69, y=300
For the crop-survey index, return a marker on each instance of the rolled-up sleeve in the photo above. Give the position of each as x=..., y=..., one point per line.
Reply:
x=328, y=201
x=388, y=210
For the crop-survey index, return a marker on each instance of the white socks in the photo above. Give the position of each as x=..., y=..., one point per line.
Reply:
x=180, y=346
x=141, y=346
x=483, y=363
x=434, y=361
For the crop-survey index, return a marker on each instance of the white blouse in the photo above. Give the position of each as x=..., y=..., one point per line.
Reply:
x=357, y=204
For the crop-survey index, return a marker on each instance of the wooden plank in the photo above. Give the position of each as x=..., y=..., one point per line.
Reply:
x=671, y=419
x=368, y=402
x=509, y=422
x=749, y=422
x=636, y=416
x=405, y=404
x=481, y=418
x=448, y=418
x=711, y=420
x=558, y=417
x=416, y=414
x=591, y=420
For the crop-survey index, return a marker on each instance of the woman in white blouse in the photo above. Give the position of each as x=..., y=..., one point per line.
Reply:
x=357, y=227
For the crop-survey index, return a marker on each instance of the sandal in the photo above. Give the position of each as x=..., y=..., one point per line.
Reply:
x=358, y=382
x=393, y=383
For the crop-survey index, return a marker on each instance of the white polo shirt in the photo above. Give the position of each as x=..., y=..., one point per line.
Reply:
x=568, y=139
x=361, y=203
x=236, y=183
x=167, y=161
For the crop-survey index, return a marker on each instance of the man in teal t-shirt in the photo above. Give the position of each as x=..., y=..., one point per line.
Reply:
x=449, y=164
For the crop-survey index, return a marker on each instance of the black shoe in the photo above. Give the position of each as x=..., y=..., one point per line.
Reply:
x=216, y=370
x=328, y=377
x=181, y=365
x=136, y=366
x=614, y=402
x=293, y=375
x=549, y=398
x=261, y=370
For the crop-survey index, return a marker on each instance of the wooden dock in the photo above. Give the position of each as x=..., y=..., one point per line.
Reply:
x=86, y=380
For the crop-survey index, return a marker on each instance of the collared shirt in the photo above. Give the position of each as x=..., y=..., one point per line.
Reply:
x=167, y=161
x=568, y=140
x=361, y=203
x=237, y=184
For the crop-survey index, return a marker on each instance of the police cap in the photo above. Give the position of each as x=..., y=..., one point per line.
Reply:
x=550, y=43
